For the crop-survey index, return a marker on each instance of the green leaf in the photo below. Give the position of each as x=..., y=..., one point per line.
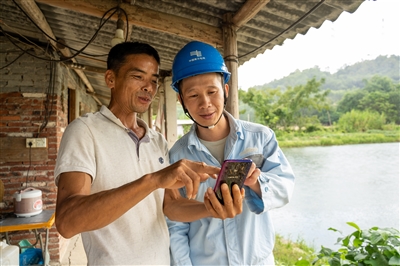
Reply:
x=357, y=242
x=346, y=240
x=370, y=249
x=394, y=241
x=395, y=260
x=334, y=262
x=375, y=238
x=354, y=225
x=379, y=260
x=333, y=229
x=360, y=257
x=302, y=262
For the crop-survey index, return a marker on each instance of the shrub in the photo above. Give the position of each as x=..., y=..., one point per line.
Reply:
x=361, y=121
x=376, y=247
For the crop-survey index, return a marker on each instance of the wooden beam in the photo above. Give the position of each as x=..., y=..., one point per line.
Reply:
x=248, y=11
x=30, y=7
x=145, y=18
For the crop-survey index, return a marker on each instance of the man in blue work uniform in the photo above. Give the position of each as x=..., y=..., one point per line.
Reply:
x=199, y=78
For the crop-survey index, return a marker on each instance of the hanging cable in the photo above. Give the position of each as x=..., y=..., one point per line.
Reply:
x=22, y=36
x=30, y=163
x=49, y=97
x=13, y=60
x=117, y=8
x=69, y=57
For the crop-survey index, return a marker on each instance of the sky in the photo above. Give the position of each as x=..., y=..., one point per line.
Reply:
x=372, y=30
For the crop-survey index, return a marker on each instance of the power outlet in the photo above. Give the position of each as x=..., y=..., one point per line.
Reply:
x=36, y=142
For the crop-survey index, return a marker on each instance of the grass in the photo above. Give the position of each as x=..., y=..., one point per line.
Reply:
x=287, y=252
x=329, y=137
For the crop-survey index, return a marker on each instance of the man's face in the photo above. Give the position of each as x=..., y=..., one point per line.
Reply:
x=135, y=84
x=203, y=97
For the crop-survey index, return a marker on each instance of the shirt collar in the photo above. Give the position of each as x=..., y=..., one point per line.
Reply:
x=110, y=116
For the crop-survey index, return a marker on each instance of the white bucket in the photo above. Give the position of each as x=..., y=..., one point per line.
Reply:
x=9, y=254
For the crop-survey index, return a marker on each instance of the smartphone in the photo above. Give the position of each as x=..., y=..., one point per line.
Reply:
x=232, y=172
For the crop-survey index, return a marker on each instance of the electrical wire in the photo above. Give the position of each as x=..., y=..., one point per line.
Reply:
x=22, y=36
x=13, y=60
x=70, y=57
x=49, y=97
x=30, y=163
x=117, y=8
x=22, y=49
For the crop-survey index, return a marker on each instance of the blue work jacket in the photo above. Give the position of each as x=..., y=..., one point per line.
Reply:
x=248, y=238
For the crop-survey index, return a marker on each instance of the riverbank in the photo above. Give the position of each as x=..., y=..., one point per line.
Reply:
x=287, y=252
x=329, y=137
x=336, y=184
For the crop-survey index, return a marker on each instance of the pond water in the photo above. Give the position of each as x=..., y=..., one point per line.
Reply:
x=339, y=184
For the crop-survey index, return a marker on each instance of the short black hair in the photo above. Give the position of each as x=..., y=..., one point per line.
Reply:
x=118, y=53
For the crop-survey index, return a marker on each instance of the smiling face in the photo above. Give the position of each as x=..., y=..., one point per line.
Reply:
x=203, y=97
x=135, y=84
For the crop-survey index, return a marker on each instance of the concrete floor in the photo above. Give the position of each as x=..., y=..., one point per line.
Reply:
x=75, y=254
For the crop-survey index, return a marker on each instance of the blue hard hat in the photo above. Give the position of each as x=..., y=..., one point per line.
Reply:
x=197, y=58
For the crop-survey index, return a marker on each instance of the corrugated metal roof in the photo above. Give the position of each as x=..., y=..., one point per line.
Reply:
x=168, y=25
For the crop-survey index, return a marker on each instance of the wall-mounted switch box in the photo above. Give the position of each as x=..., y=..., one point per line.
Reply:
x=36, y=142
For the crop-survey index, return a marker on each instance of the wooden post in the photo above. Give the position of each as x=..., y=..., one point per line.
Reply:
x=171, y=127
x=231, y=61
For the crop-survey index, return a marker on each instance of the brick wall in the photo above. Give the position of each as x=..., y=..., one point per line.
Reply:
x=24, y=97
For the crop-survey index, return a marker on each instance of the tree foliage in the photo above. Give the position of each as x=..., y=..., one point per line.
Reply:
x=294, y=106
x=380, y=95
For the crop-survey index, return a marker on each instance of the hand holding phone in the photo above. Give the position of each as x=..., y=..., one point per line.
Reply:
x=232, y=172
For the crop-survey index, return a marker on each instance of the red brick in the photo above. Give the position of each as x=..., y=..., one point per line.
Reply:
x=10, y=118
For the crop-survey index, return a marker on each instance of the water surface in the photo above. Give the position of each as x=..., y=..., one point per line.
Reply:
x=339, y=184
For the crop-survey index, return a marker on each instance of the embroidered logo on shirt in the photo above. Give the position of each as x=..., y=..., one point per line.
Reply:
x=161, y=160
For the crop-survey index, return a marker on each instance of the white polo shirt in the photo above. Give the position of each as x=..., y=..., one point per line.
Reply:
x=99, y=144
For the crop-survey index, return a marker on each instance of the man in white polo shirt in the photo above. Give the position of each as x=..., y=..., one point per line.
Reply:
x=112, y=170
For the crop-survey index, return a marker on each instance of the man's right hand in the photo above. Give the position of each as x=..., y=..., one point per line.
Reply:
x=184, y=173
x=232, y=206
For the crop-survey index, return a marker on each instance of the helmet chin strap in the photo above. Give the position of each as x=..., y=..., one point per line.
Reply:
x=188, y=115
x=209, y=127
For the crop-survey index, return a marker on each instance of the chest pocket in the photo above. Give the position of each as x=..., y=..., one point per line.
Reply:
x=258, y=159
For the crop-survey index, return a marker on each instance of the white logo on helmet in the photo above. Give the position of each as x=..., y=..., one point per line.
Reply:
x=197, y=54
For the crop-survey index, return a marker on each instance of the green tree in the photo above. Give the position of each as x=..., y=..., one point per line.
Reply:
x=350, y=101
x=298, y=106
x=262, y=102
x=379, y=83
x=294, y=106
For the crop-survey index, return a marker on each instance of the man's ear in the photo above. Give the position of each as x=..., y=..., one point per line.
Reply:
x=109, y=77
x=226, y=90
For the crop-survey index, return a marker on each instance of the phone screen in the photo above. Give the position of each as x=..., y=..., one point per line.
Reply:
x=232, y=172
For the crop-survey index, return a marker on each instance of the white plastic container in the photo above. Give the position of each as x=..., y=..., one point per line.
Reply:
x=9, y=255
x=28, y=202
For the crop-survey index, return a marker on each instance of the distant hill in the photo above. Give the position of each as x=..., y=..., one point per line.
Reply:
x=349, y=77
